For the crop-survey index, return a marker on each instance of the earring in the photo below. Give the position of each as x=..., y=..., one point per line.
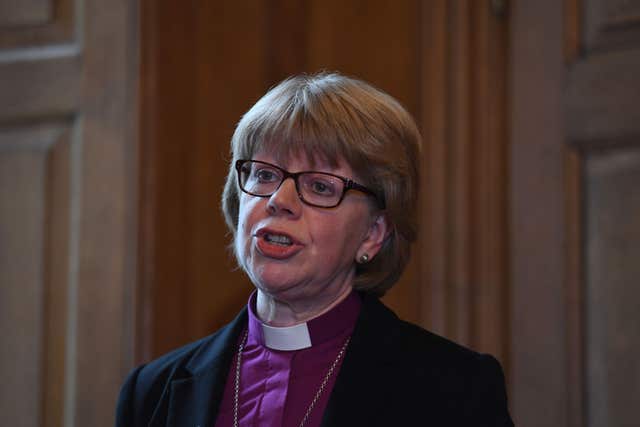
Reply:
x=363, y=259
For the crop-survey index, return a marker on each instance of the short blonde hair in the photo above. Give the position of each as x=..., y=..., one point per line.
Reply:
x=334, y=117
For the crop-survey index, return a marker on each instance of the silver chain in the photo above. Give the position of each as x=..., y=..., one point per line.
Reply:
x=237, y=382
x=332, y=368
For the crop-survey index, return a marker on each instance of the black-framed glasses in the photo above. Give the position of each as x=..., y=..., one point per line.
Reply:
x=320, y=189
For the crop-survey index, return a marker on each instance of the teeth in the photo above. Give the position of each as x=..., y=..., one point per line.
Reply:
x=277, y=238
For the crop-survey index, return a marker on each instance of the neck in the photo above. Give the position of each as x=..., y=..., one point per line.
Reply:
x=274, y=312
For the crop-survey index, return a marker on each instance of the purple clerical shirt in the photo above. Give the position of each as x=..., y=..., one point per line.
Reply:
x=277, y=386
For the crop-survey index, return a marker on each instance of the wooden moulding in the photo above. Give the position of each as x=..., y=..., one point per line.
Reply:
x=38, y=23
x=464, y=234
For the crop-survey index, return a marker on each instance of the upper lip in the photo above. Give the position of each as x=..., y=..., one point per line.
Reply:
x=265, y=230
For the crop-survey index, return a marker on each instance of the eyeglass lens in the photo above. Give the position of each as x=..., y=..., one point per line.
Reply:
x=261, y=179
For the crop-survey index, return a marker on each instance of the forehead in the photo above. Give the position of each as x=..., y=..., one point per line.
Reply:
x=301, y=161
x=289, y=146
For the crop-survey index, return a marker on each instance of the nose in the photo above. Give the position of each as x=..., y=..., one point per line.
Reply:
x=285, y=200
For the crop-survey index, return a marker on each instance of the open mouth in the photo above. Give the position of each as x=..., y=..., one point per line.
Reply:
x=276, y=244
x=278, y=239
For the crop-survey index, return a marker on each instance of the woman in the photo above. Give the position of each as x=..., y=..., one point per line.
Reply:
x=321, y=199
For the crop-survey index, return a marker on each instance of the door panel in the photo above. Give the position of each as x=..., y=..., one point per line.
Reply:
x=611, y=24
x=33, y=270
x=28, y=24
x=575, y=180
x=603, y=129
x=40, y=82
x=26, y=12
x=67, y=208
x=612, y=302
x=602, y=97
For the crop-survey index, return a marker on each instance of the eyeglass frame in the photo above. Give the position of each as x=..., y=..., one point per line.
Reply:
x=349, y=184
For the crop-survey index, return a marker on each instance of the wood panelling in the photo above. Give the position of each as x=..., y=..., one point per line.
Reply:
x=68, y=183
x=106, y=182
x=574, y=220
x=602, y=96
x=463, y=242
x=611, y=24
x=537, y=215
x=162, y=255
x=488, y=195
x=59, y=202
x=434, y=121
x=575, y=228
x=374, y=40
x=573, y=24
x=33, y=197
x=35, y=23
x=612, y=298
x=574, y=286
x=26, y=87
x=287, y=24
x=25, y=13
x=458, y=164
x=21, y=298
x=602, y=126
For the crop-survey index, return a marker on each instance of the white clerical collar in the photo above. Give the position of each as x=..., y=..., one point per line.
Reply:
x=318, y=330
x=286, y=338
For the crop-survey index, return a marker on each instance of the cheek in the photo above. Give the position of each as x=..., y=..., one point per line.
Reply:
x=251, y=211
x=341, y=237
x=244, y=227
x=247, y=210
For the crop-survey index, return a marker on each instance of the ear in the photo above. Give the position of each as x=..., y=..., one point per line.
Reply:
x=377, y=233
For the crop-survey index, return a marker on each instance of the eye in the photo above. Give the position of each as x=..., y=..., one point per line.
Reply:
x=322, y=187
x=265, y=175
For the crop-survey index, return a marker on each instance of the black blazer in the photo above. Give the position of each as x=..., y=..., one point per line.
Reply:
x=394, y=374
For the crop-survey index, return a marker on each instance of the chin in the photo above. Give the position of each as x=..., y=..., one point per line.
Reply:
x=274, y=284
x=274, y=281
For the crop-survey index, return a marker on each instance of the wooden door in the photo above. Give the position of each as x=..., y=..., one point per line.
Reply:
x=67, y=208
x=576, y=212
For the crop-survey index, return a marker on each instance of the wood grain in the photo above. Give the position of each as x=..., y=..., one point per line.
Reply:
x=611, y=303
x=611, y=24
x=25, y=13
x=537, y=216
x=37, y=23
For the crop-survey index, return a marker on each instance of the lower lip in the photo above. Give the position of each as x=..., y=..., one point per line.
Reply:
x=276, y=251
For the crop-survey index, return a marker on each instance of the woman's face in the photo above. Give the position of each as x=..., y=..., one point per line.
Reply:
x=296, y=252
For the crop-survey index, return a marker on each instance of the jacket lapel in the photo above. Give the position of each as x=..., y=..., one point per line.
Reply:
x=359, y=386
x=195, y=396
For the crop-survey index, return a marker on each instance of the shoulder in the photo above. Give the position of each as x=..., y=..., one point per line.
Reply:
x=456, y=368
x=153, y=375
x=147, y=384
x=459, y=383
x=409, y=340
x=425, y=345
